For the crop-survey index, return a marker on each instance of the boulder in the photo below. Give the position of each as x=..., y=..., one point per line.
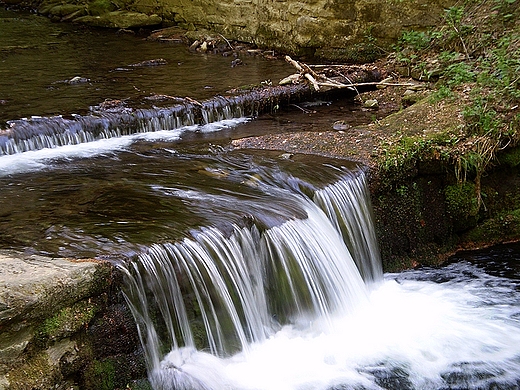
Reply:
x=33, y=286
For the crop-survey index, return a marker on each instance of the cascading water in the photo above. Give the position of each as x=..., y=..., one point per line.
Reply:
x=39, y=133
x=354, y=220
x=246, y=285
x=302, y=304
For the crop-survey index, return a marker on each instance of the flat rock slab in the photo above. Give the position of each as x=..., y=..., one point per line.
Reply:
x=32, y=286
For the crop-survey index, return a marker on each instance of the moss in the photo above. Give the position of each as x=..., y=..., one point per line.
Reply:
x=359, y=53
x=67, y=9
x=142, y=384
x=462, y=205
x=199, y=334
x=100, y=375
x=510, y=158
x=103, y=279
x=100, y=7
x=35, y=373
x=67, y=321
x=115, y=372
x=505, y=226
x=428, y=255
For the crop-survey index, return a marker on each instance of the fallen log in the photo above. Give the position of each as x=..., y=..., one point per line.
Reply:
x=321, y=81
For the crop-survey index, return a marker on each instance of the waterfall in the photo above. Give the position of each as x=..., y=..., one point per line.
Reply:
x=35, y=133
x=224, y=292
x=355, y=221
x=50, y=132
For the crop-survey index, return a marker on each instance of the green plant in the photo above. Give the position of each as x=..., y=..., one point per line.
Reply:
x=402, y=190
x=503, y=7
x=481, y=118
x=461, y=200
x=501, y=67
x=444, y=92
x=448, y=57
x=453, y=15
x=458, y=73
x=478, y=156
x=411, y=43
x=415, y=40
x=454, y=19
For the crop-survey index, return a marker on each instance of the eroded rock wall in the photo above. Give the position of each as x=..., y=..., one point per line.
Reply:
x=325, y=28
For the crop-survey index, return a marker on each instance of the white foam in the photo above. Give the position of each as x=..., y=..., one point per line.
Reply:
x=44, y=158
x=423, y=328
x=41, y=159
x=222, y=125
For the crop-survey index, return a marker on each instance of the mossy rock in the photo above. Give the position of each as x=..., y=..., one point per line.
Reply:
x=63, y=10
x=142, y=384
x=462, y=205
x=504, y=227
x=100, y=7
x=120, y=19
x=45, y=7
x=115, y=373
x=36, y=373
x=100, y=375
x=67, y=321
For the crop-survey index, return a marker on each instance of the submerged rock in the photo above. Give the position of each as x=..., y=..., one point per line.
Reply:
x=147, y=63
x=371, y=103
x=78, y=80
x=340, y=125
x=236, y=62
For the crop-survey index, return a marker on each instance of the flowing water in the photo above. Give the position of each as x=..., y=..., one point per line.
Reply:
x=245, y=269
x=40, y=59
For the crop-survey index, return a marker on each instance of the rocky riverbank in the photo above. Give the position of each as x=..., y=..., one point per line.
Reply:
x=356, y=31
x=63, y=323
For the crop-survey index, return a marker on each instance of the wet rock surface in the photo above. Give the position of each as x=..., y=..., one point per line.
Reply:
x=60, y=323
x=120, y=20
x=31, y=285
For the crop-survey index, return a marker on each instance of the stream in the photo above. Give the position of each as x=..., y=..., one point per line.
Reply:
x=180, y=195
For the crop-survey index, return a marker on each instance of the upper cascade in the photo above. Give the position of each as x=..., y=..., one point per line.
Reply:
x=37, y=132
